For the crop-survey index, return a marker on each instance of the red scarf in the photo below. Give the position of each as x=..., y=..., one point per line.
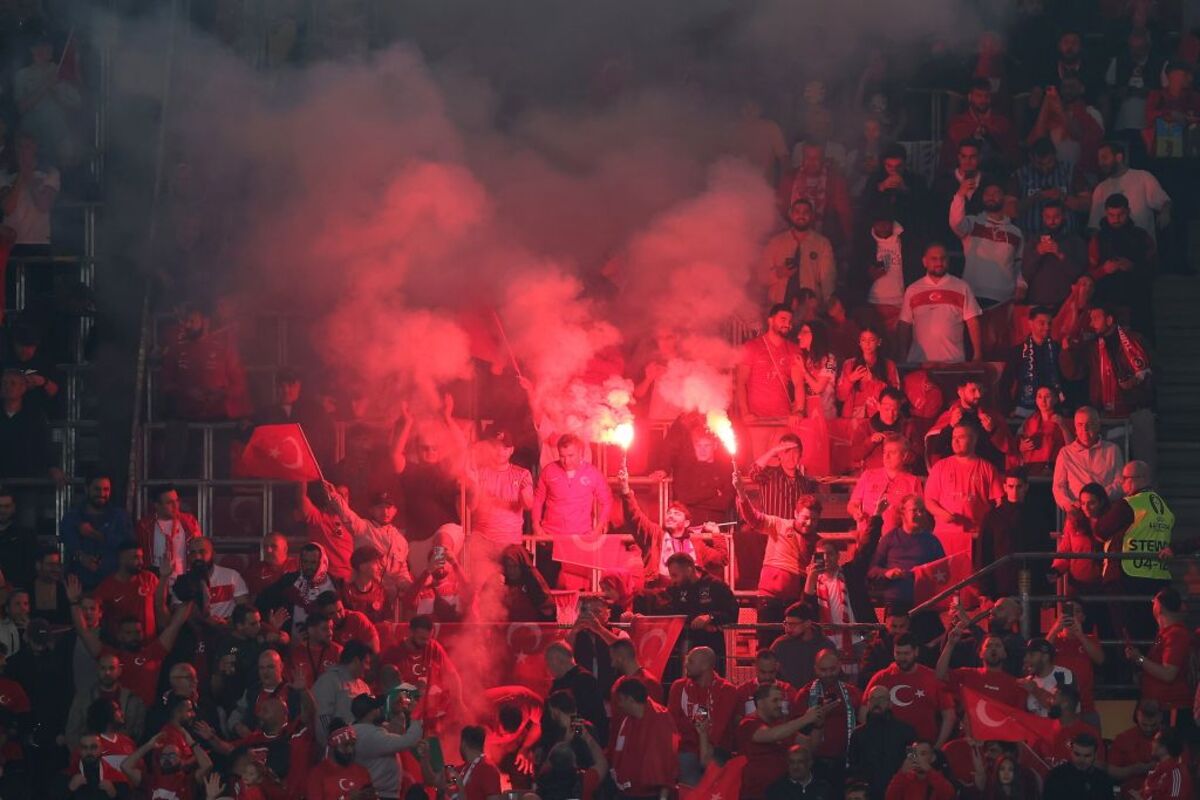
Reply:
x=1130, y=362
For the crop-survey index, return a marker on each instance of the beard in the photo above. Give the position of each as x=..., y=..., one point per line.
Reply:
x=993, y=208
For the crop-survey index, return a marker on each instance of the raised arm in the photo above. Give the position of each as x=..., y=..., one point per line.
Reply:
x=130, y=765
x=401, y=432
x=89, y=638
x=171, y=632
x=357, y=525
x=958, y=213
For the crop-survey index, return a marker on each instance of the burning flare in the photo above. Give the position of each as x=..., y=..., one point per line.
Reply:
x=722, y=428
x=622, y=435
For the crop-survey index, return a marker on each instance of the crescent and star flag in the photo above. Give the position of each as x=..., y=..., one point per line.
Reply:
x=278, y=452
x=934, y=577
x=654, y=640
x=719, y=782
x=991, y=719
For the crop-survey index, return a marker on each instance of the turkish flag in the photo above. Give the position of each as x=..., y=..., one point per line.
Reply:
x=934, y=577
x=991, y=719
x=654, y=639
x=719, y=782
x=280, y=453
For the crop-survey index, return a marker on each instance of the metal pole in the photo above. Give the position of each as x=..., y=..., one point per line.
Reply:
x=1023, y=585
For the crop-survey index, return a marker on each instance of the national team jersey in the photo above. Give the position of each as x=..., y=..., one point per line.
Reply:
x=917, y=697
x=480, y=780
x=139, y=669
x=331, y=781
x=745, y=698
x=936, y=310
x=768, y=377
x=119, y=599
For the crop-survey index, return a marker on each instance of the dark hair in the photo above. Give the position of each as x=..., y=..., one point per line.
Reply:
x=316, y=618
x=970, y=141
x=562, y=700
x=1116, y=148
x=311, y=547
x=1085, y=739
x=100, y=714
x=1020, y=473
x=42, y=552
x=809, y=501
x=980, y=83
x=935, y=244
x=172, y=702
x=681, y=559
x=800, y=610
x=624, y=645
x=123, y=547
x=421, y=622
x=1170, y=600
x=1096, y=490
x=568, y=440
x=475, y=736
x=764, y=691
x=1171, y=741
x=510, y=717
x=158, y=491
x=1041, y=311
x=1055, y=203
x=905, y=640
x=92, y=477
x=7, y=492
x=1069, y=691
x=1116, y=200
x=766, y=654
x=804, y=294
x=354, y=650
x=1042, y=147
x=240, y=613
x=326, y=598
x=893, y=150
x=777, y=308
x=893, y=393
x=634, y=689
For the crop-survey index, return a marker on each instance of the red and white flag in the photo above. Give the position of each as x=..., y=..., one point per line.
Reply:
x=992, y=720
x=936, y=576
x=278, y=452
x=719, y=782
x=654, y=640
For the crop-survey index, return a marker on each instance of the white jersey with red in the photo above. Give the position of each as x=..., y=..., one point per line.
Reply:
x=114, y=747
x=1169, y=780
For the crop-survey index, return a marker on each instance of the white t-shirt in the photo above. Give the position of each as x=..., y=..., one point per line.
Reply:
x=169, y=536
x=937, y=309
x=31, y=224
x=225, y=585
x=888, y=290
x=1145, y=195
x=1050, y=683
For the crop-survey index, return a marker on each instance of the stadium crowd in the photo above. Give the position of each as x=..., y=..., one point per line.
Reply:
x=958, y=349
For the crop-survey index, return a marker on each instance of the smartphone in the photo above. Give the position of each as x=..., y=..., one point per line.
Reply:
x=819, y=560
x=436, y=759
x=701, y=714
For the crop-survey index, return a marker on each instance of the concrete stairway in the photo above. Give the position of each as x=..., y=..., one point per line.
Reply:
x=1176, y=361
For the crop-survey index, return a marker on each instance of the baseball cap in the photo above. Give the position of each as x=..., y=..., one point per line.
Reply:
x=382, y=498
x=364, y=704
x=1040, y=646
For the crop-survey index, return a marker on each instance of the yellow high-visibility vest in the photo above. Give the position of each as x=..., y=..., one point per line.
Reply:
x=1149, y=533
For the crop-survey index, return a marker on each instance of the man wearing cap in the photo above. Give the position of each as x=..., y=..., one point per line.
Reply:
x=377, y=531
x=500, y=492
x=294, y=405
x=379, y=746
x=363, y=592
x=1042, y=677
x=338, y=776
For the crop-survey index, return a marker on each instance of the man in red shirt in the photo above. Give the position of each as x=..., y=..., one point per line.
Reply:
x=623, y=655
x=765, y=737
x=168, y=765
x=990, y=679
x=316, y=651
x=479, y=779
x=1131, y=755
x=918, y=697
x=643, y=760
x=348, y=625
x=1162, y=669
x=764, y=376
x=1067, y=727
x=422, y=661
x=766, y=673
x=1170, y=778
x=271, y=565
x=701, y=691
x=128, y=592
x=1078, y=651
x=364, y=590
x=917, y=779
x=338, y=777
x=141, y=659
x=838, y=724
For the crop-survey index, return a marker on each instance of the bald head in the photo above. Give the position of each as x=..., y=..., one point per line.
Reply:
x=827, y=666
x=700, y=661
x=1136, y=477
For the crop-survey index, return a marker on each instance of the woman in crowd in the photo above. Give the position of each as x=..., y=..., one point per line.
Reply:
x=1043, y=434
x=864, y=376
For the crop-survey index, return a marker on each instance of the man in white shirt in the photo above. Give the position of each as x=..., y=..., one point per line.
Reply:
x=1149, y=205
x=377, y=531
x=1088, y=459
x=934, y=311
x=226, y=587
x=28, y=195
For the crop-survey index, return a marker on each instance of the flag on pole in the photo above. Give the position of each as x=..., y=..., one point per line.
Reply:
x=992, y=720
x=278, y=452
x=934, y=577
x=654, y=640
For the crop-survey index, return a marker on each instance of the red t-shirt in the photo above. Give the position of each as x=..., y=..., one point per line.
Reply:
x=719, y=698
x=479, y=780
x=356, y=627
x=765, y=762
x=917, y=697
x=139, y=669
x=312, y=661
x=173, y=786
x=1169, y=780
x=1129, y=748
x=1060, y=751
x=331, y=781
x=653, y=689
x=1069, y=653
x=768, y=376
x=300, y=744
x=13, y=697
x=836, y=728
x=745, y=698
x=1173, y=647
x=259, y=575
x=998, y=685
x=373, y=602
x=119, y=599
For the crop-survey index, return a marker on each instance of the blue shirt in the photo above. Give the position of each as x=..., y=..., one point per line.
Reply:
x=112, y=523
x=905, y=551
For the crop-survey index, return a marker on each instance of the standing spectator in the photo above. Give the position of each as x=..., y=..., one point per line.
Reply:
x=701, y=694
x=570, y=676
x=992, y=437
x=949, y=183
x=992, y=249
x=763, y=383
x=47, y=594
x=887, y=258
x=1043, y=677
x=1043, y=434
x=798, y=258
x=226, y=587
x=780, y=476
x=15, y=623
x=48, y=101
x=866, y=447
x=1034, y=364
x=18, y=544
x=707, y=603
x=165, y=532
x=379, y=746
x=960, y=491
x=918, y=697
x=1068, y=726
x=658, y=543
x=26, y=450
x=802, y=640
x=294, y=405
x=980, y=122
x=1132, y=74
x=1149, y=205
x=891, y=482
x=864, y=376
x=765, y=736
x=93, y=534
x=172, y=760
x=202, y=375
x=271, y=565
x=1045, y=180
x=879, y=744
x=1079, y=778
x=348, y=626
x=766, y=673
x=1123, y=261
x=1131, y=754
x=337, y=775
x=324, y=526
x=500, y=494
x=108, y=688
x=840, y=597
x=364, y=592
x=27, y=197
x=337, y=687
x=378, y=531
x=838, y=704
x=934, y=311
x=699, y=469
x=814, y=374
x=1083, y=576
x=1162, y=672
x=1014, y=526
x=644, y=762
x=1073, y=127
x=1172, y=108
x=128, y=592
x=895, y=187
x=1054, y=259
x=314, y=652
x=919, y=778
x=819, y=181
x=572, y=497
x=430, y=486
x=442, y=590
x=1088, y=459
x=46, y=678
x=904, y=548
x=297, y=592
x=989, y=679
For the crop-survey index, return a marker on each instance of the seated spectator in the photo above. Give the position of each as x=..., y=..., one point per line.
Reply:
x=992, y=436
x=26, y=450
x=1043, y=434
x=94, y=533
x=15, y=622
x=1131, y=754
x=904, y=548
x=798, y=258
x=273, y=561
x=1043, y=677
x=864, y=376
x=364, y=591
x=701, y=694
x=866, y=448
x=294, y=405
x=1116, y=365
x=1054, y=259
x=1171, y=776
x=879, y=745
x=18, y=544
x=799, y=781
x=1170, y=110
x=42, y=378
x=891, y=482
x=170, y=764
x=878, y=653
x=165, y=532
x=960, y=491
x=561, y=776
x=1013, y=526
x=202, y=375
x=1122, y=260
x=1079, y=778
x=296, y=592
x=819, y=181
x=887, y=258
x=898, y=188
x=1032, y=364
x=27, y=197
x=934, y=312
x=1045, y=182
x=1088, y=459
x=982, y=123
x=1001, y=774
x=797, y=649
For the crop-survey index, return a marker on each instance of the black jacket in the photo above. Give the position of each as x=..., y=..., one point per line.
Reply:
x=588, y=699
x=877, y=750
x=1064, y=782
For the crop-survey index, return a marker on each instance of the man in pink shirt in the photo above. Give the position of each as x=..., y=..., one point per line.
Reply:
x=764, y=377
x=572, y=499
x=960, y=491
x=891, y=480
